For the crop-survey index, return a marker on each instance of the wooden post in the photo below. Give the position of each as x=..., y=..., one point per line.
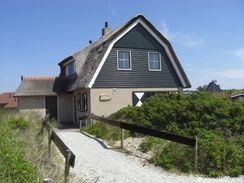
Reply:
x=92, y=120
x=47, y=180
x=49, y=142
x=195, y=152
x=67, y=167
x=122, y=137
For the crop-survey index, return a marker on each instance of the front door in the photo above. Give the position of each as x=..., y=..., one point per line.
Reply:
x=51, y=106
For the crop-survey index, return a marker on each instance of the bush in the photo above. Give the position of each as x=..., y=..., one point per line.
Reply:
x=150, y=143
x=174, y=156
x=216, y=120
x=218, y=156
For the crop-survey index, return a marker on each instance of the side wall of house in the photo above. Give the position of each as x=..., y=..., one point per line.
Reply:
x=109, y=100
x=65, y=108
x=32, y=104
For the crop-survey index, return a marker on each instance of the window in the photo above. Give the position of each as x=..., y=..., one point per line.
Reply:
x=70, y=69
x=79, y=101
x=154, y=61
x=124, y=60
x=82, y=102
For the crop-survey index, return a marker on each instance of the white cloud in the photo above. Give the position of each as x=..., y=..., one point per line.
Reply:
x=231, y=74
x=181, y=38
x=239, y=53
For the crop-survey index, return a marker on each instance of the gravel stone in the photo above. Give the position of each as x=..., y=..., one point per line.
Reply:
x=97, y=162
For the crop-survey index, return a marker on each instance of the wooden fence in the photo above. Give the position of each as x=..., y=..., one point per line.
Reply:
x=67, y=153
x=151, y=132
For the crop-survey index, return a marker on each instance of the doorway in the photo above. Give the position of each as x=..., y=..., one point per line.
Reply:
x=51, y=106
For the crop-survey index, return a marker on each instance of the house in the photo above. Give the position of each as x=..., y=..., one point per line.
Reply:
x=36, y=94
x=124, y=67
x=239, y=96
x=212, y=87
x=8, y=101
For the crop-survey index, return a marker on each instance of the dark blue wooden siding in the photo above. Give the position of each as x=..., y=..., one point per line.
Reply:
x=139, y=42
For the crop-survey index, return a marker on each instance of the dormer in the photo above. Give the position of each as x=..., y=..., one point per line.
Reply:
x=67, y=67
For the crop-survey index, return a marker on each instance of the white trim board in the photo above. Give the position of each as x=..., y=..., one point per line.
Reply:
x=172, y=60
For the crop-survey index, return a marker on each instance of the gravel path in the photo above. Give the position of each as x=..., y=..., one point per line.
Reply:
x=95, y=161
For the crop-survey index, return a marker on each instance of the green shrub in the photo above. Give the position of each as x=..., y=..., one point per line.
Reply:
x=151, y=142
x=216, y=120
x=218, y=156
x=174, y=156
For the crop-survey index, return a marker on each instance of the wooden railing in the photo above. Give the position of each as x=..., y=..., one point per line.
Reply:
x=67, y=153
x=146, y=131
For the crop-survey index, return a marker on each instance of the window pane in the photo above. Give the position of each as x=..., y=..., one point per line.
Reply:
x=69, y=69
x=154, y=61
x=124, y=60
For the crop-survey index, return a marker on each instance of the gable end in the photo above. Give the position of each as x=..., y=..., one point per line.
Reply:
x=165, y=44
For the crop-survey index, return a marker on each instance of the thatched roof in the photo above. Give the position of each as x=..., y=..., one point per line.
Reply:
x=36, y=86
x=88, y=59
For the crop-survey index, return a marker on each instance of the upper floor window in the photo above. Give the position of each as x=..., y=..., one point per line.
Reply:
x=124, y=60
x=154, y=61
x=70, y=68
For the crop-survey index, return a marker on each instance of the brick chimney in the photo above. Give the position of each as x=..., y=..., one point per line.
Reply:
x=106, y=29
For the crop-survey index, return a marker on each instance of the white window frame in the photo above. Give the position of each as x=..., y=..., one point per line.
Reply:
x=118, y=60
x=160, y=67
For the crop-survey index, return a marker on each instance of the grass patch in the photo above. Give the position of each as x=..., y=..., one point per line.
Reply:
x=24, y=151
x=104, y=131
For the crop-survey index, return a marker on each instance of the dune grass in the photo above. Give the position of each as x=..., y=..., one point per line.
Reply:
x=24, y=151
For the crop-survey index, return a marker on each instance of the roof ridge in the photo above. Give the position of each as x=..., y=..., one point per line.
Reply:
x=40, y=78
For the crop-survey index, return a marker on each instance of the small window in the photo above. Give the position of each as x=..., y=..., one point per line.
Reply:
x=69, y=69
x=124, y=60
x=154, y=61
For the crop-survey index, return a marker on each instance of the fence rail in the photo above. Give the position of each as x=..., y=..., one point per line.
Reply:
x=155, y=133
x=67, y=153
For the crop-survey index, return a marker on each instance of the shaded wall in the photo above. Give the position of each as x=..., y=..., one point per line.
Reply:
x=32, y=104
x=65, y=108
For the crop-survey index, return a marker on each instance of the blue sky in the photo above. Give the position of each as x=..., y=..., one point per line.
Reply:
x=207, y=36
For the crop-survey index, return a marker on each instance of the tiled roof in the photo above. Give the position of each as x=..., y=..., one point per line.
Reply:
x=7, y=100
x=40, y=78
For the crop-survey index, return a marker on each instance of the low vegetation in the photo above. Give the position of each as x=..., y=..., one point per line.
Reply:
x=104, y=131
x=217, y=122
x=23, y=151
